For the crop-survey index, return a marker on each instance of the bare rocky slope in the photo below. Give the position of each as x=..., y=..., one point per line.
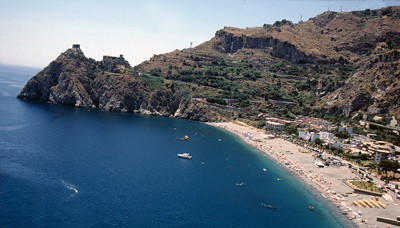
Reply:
x=374, y=89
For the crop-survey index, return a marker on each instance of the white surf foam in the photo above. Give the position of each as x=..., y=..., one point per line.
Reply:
x=70, y=187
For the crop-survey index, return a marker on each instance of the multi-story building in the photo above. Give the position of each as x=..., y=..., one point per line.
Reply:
x=275, y=125
x=313, y=136
x=304, y=135
x=313, y=123
x=323, y=135
x=335, y=142
x=345, y=127
x=380, y=149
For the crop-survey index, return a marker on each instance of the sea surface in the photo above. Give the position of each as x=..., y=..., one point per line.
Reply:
x=62, y=166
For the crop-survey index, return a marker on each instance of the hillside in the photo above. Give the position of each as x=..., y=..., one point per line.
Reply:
x=335, y=63
x=293, y=62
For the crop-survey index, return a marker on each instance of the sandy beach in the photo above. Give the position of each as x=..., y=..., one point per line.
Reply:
x=329, y=181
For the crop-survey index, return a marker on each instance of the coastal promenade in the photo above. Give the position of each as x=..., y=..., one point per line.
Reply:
x=329, y=182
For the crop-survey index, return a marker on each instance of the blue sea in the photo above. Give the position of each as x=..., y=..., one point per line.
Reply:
x=62, y=166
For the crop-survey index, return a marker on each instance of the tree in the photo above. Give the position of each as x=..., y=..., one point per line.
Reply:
x=292, y=129
x=318, y=142
x=342, y=135
x=395, y=166
x=261, y=124
x=385, y=166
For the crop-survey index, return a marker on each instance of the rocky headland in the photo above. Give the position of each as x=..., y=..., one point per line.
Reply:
x=73, y=79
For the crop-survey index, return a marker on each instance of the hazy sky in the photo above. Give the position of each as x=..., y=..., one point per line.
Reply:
x=33, y=33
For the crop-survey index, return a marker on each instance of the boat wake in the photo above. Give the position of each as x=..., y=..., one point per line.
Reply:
x=70, y=187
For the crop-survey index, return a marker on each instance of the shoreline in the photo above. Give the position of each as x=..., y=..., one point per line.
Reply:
x=329, y=182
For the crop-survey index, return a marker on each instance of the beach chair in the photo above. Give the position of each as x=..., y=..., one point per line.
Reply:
x=362, y=203
x=368, y=203
x=383, y=205
x=374, y=203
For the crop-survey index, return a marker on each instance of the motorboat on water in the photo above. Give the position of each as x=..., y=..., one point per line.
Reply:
x=271, y=207
x=185, y=155
x=186, y=138
x=311, y=207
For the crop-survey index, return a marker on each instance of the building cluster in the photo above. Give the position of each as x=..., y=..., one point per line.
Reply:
x=315, y=128
x=359, y=144
x=327, y=137
x=310, y=123
x=313, y=123
x=380, y=150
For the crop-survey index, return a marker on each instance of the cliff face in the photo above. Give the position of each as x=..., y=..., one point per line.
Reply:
x=61, y=81
x=73, y=79
x=227, y=42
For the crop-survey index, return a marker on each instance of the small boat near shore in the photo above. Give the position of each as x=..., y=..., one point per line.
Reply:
x=311, y=207
x=185, y=156
x=271, y=207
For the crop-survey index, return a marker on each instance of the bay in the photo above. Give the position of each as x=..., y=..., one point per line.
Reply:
x=66, y=167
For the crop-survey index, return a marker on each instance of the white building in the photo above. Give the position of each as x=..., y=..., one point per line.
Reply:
x=304, y=135
x=335, y=142
x=381, y=155
x=313, y=136
x=323, y=135
x=274, y=125
x=345, y=127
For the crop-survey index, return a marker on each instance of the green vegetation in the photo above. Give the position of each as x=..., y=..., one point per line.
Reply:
x=291, y=129
x=387, y=166
x=153, y=82
x=91, y=73
x=217, y=100
x=370, y=186
x=342, y=134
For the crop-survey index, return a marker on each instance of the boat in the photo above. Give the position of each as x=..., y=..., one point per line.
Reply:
x=241, y=184
x=311, y=207
x=264, y=169
x=271, y=207
x=186, y=138
x=185, y=155
x=279, y=179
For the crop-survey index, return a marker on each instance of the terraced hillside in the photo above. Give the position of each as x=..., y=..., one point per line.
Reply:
x=305, y=63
